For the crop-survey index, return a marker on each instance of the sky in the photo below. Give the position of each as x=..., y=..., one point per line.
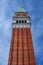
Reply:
x=35, y=11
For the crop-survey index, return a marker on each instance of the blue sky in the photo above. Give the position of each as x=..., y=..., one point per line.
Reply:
x=7, y=10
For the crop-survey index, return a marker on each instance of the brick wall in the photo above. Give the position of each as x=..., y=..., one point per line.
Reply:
x=21, y=48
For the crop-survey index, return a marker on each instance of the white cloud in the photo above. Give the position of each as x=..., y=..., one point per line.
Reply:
x=5, y=26
x=3, y=8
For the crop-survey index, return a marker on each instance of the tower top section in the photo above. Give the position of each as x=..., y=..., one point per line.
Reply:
x=21, y=18
x=21, y=10
x=21, y=13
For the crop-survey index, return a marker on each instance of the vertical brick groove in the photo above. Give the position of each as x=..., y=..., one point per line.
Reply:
x=17, y=46
x=22, y=46
x=28, y=47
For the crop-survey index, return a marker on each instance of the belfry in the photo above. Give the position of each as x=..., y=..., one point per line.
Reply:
x=21, y=47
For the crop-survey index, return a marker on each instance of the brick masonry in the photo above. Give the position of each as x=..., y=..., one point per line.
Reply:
x=21, y=48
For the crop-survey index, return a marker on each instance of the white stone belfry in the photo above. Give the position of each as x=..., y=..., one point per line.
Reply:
x=21, y=19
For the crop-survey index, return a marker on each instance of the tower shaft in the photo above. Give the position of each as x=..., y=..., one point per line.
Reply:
x=21, y=49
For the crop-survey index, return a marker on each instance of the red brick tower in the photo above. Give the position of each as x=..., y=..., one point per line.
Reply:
x=21, y=48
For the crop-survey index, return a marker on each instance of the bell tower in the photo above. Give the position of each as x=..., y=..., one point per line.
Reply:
x=21, y=47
